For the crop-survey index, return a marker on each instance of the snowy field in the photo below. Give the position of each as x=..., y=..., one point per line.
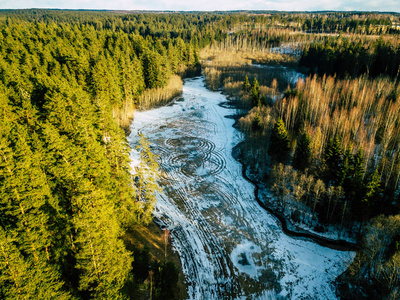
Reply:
x=230, y=247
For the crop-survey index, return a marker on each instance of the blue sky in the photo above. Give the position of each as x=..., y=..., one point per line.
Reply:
x=209, y=5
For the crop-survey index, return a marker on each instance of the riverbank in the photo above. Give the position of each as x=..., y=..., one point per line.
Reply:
x=289, y=228
x=225, y=70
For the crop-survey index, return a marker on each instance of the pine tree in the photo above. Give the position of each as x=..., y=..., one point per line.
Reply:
x=353, y=182
x=255, y=124
x=279, y=144
x=246, y=85
x=26, y=194
x=302, y=154
x=358, y=169
x=154, y=70
x=372, y=188
x=26, y=278
x=102, y=258
x=333, y=158
x=146, y=183
x=255, y=92
x=363, y=206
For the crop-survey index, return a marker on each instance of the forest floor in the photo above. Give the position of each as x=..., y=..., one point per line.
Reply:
x=153, y=238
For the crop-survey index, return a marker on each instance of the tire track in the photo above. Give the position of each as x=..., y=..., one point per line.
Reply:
x=215, y=223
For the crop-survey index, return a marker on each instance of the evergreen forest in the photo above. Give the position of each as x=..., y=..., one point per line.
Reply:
x=70, y=82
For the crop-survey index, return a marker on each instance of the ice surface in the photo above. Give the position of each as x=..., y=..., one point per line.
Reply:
x=226, y=242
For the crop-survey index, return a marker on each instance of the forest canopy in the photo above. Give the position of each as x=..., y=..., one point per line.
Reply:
x=71, y=80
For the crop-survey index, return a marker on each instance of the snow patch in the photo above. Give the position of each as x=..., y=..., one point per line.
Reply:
x=242, y=258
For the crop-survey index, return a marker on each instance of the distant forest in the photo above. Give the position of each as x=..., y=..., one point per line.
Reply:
x=70, y=82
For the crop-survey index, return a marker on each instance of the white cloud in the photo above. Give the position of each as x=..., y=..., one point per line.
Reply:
x=210, y=5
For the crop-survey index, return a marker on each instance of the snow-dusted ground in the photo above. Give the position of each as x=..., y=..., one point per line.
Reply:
x=288, y=49
x=229, y=246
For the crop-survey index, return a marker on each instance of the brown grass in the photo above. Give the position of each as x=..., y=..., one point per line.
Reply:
x=227, y=69
x=219, y=55
x=149, y=98
x=159, y=96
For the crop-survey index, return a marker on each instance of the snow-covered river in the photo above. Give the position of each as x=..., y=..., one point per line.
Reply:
x=229, y=246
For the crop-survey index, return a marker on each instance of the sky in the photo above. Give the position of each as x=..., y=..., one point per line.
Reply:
x=209, y=5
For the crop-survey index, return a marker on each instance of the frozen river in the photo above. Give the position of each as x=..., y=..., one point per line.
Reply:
x=230, y=248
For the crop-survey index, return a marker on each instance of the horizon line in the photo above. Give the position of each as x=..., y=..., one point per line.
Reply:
x=203, y=11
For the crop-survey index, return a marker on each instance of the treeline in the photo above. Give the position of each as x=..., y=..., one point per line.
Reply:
x=245, y=39
x=351, y=22
x=198, y=28
x=203, y=28
x=353, y=57
x=67, y=191
x=360, y=23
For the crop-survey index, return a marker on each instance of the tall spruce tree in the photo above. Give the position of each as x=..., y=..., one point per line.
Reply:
x=22, y=277
x=246, y=85
x=102, y=258
x=302, y=154
x=255, y=92
x=279, y=143
x=146, y=181
x=372, y=188
x=333, y=158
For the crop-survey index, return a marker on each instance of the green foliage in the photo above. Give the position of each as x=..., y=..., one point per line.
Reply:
x=334, y=159
x=66, y=188
x=352, y=174
x=256, y=124
x=279, y=144
x=103, y=261
x=255, y=92
x=146, y=180
x=23, y=278
x=302, y=154
x=372, y=188
x=246, y=85
x=155, y=73
x=375, y=270
x=343, y=57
